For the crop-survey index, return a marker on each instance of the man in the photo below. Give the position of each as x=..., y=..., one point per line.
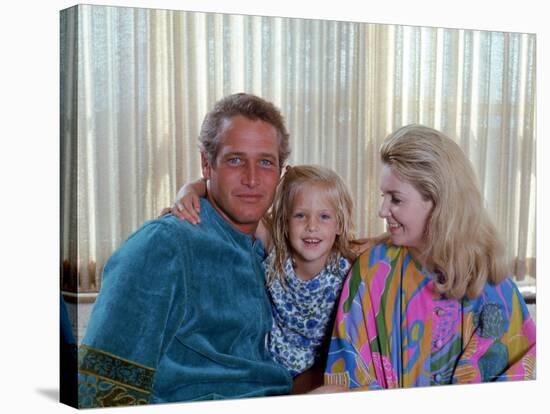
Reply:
x=182, y=313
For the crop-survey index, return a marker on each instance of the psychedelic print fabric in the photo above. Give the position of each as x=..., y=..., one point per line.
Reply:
x=393, y=330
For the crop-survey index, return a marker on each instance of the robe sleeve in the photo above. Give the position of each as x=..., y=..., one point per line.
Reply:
x=137, y=312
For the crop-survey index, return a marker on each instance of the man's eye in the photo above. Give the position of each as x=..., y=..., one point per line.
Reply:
x=395, y=200
x=266, y=163
x=234, y=161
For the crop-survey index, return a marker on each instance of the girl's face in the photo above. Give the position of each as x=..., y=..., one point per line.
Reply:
x=405, y=211
x=312, y=230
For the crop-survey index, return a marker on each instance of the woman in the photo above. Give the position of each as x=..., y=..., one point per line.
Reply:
x=430, y=304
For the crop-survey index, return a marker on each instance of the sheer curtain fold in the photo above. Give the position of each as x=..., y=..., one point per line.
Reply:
x=136, y=83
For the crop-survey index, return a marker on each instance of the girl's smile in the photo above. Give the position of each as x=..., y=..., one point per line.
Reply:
x=312, y=231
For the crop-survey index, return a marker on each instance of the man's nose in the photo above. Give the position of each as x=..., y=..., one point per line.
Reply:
x=250, y=176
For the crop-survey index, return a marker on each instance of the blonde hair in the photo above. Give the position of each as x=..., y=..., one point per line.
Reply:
x=462, y=244
x=337, y=194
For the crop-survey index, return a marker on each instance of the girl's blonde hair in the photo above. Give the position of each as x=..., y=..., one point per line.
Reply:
x=462, y=244
x=337, y=194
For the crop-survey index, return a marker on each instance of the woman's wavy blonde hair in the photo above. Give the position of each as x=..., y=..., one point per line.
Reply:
x=462, y=244
x=337, y=194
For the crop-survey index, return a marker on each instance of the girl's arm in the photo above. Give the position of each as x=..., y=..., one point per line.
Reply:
x=187, y=205
x=358, y=246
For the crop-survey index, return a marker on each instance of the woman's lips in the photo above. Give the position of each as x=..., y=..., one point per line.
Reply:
x=393, y=227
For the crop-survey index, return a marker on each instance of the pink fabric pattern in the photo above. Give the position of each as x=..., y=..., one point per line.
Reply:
x=392, y=329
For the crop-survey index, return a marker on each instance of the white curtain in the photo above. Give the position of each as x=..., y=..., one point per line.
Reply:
x=136, y=83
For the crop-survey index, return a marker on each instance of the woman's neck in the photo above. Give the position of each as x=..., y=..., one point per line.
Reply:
x=418, y=256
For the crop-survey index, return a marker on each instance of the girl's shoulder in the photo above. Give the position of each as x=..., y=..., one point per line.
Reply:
x=272, y=277
x=342, y=265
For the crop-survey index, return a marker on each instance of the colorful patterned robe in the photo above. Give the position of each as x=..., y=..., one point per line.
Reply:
x=393, y=330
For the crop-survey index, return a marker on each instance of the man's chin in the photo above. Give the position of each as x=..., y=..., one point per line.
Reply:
x=249, y=212
x=245, y=219
x=243, y=215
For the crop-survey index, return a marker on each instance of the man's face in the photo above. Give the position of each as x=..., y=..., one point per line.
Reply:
x=242, y=183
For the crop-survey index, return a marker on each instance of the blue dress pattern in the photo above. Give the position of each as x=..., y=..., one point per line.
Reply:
x=302, y=313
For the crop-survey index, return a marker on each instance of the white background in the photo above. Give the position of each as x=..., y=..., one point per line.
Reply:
x=29, y=163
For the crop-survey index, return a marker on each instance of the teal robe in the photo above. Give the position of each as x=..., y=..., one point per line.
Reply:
x=182, y=315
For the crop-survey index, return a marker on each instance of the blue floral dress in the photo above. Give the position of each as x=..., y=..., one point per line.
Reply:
x=302, y=313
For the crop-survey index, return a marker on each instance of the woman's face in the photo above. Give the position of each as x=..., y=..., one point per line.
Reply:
x=405, y=211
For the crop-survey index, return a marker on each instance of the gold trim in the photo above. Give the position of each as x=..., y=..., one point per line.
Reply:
x=97, y=351
x=337, y=378
x=114, y=381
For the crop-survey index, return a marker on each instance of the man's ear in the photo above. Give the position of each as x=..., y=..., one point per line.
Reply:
x=205, y=165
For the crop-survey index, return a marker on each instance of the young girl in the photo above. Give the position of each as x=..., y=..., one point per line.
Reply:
x=433, y=304
x=308, y=237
